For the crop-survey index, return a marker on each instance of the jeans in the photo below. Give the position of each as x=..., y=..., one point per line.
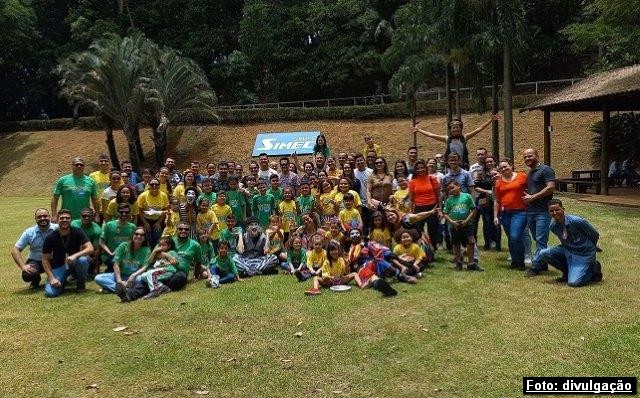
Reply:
x=107, y=281
x=539, y=226
x=578, y=269
x=514, y=223
x=78, y=269
x=490, y=232
x=225, y=277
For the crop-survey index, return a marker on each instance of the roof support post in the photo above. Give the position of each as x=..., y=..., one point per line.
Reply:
x=547, y=137
x=604, y=155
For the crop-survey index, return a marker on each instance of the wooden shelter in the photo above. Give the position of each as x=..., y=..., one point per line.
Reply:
x=615, y=90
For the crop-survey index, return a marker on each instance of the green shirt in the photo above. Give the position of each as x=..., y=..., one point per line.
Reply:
x=211, y=196
x=227, y=236
x=113, y=234
x=207, y=253
x=93, y=232
x=296, y=258
x=277, y=194
x=76, y=193
x=263, y=207
x=130, y=262
x=237, y=202
x=459, y=207
x=305, y=203
x=189, y=254
x=224, y=265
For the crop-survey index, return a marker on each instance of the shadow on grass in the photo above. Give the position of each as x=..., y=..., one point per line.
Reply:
x=14, y=148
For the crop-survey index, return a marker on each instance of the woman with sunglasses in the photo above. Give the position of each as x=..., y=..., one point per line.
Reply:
x=152, y=205
x=127, y=259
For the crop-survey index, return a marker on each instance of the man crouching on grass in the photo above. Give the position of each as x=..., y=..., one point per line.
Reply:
x=576, y=255
x=65, y=252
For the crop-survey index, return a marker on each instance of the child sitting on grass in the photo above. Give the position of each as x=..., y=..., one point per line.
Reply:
x=459, y=211
x=350, y=216
x=276, y=238
x=222, y=269
x=161, y=267
x=315, y=257
x=380, y=231
x=333, y=272
x=296, y=262
x=409, y=252
x=334, y=233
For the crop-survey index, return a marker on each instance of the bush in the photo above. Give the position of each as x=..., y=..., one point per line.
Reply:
x=624, y=137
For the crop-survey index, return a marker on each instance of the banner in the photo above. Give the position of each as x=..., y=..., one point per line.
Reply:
x=281, y=144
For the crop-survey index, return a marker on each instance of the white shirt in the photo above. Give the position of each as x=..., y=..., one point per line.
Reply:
x=363, y=177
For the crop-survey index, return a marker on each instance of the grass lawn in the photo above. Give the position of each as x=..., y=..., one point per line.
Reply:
x=454, y=334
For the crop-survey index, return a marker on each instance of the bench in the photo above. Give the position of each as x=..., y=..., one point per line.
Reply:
x=579, y=185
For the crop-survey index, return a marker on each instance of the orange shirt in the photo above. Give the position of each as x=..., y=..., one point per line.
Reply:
x=509, y=194
x=424, y=189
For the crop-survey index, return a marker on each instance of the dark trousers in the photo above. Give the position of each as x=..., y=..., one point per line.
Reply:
x=177, y=282
x=431, y=222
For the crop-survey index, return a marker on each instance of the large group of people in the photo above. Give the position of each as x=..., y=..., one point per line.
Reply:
x=333, y=220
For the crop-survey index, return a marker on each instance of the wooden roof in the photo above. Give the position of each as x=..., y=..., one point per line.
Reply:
x=618, y=88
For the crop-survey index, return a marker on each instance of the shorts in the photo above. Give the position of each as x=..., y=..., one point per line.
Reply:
x=462, y=236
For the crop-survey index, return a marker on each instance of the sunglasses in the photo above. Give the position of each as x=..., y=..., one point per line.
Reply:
x=154, y=185
x=138, y=234
x=79, y=164
x=379, y=162
x=116, y=178
x=85, y=215
x=182, y=229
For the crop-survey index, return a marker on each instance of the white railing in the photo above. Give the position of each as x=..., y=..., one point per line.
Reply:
x=536, y=87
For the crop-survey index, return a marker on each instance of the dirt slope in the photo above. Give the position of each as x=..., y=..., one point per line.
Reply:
x=30, y=162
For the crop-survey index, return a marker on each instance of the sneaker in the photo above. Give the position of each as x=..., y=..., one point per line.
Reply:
x=164, y=289
x=509, y=258
x=474, y=267
x=121, y=291
x=527, y=260
x=81, y=287
x=419, y=275
x=34, y=285
x=152, y=294
x=385, y=288
x=312, y=292
x=402, y=277
x=521, y=267
x=597, y=273
x=532, y=272
x=458, y=266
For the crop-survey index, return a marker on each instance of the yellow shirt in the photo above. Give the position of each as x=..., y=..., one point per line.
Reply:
x=316, y=260
x=340, y=199
x=334, y=175
x=172, y=220
x=101, y=179
x=333, y=270
x=112, y=209
x=328, y=236
x=326, y=204
x=148, y=202
x=382, y=236
x=376, y=148
x=414, y=250
x=314, y=192
x=402, y=200
x=206, y=220
x=288, y=214
x=350, y=219
x=222, y=212
x=178, y=192
x=162, y=188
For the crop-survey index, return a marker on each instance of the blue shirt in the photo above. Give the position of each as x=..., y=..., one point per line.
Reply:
x=464, y=178
x=580, y=237
x=34, y=238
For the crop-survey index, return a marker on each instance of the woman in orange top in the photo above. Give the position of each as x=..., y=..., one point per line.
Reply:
x=424, y=194
x=510, y=189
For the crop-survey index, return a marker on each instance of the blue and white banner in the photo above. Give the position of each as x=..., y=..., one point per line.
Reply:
x=279, y=144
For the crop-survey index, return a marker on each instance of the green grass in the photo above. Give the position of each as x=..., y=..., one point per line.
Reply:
x=454, y=334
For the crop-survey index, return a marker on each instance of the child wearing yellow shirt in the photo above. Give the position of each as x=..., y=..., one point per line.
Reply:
x=208, y=221
x=333, y=272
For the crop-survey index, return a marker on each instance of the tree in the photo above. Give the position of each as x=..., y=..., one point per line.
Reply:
x=175, y=91
x=106, y=79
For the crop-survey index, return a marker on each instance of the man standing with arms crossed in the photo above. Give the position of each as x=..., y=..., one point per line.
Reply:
x=540, y=186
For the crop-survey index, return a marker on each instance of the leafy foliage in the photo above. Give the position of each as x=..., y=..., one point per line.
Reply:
x=624, y=136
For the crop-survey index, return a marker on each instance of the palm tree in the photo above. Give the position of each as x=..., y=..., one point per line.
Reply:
x=176, y=90
x=106, y=78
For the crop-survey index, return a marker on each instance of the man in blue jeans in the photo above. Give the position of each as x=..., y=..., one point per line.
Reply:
x=65, y=252
x=576, y=254
x=540, y=186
